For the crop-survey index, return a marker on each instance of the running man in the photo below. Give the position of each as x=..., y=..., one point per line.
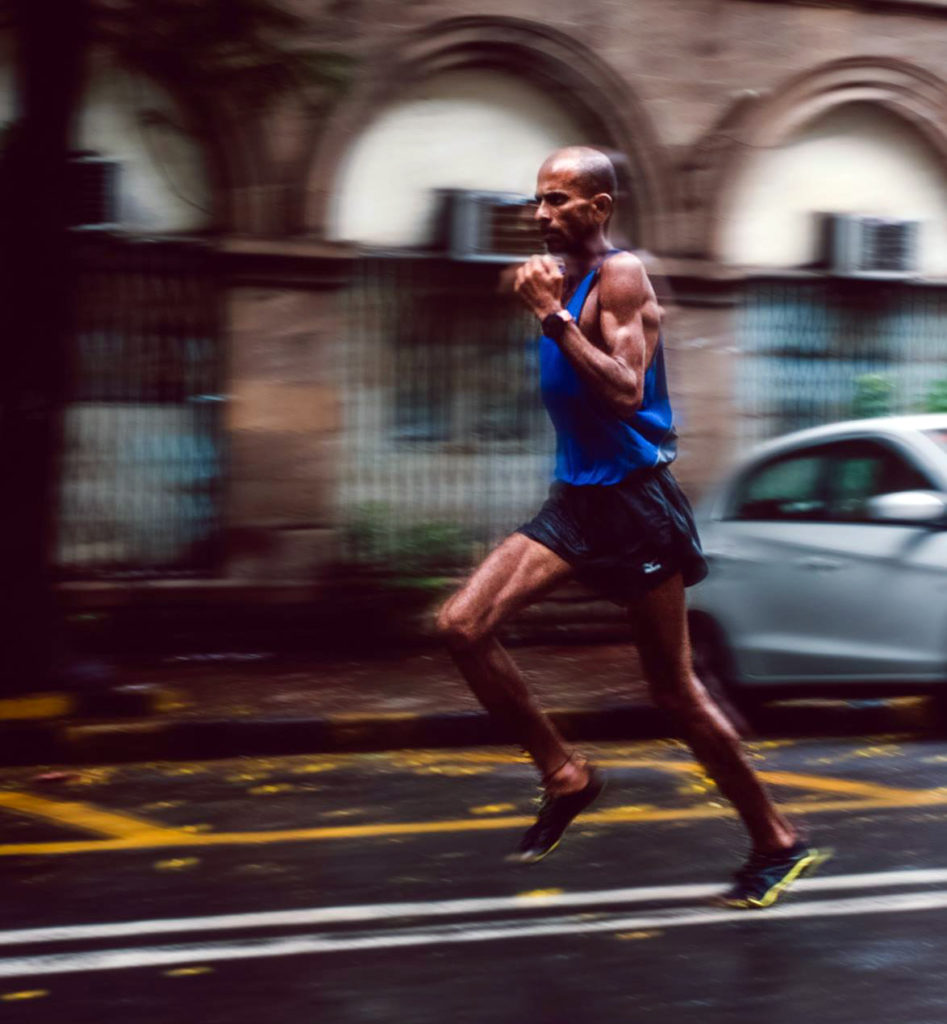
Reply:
x=615, y=519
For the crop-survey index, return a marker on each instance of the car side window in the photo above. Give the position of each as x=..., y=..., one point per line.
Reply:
x=860, y=470
x=787, y=489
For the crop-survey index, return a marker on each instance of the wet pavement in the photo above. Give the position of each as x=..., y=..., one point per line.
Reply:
x=371, y=887
x=259, y=704
x=227, y=705
x=414, y=682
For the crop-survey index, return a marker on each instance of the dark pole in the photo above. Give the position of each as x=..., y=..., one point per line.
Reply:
x=34, y=351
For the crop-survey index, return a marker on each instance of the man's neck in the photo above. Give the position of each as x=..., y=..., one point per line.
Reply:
x=581, y=261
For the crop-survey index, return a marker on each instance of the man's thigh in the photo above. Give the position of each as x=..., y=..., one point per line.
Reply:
x=659, y=621
x=516, y=573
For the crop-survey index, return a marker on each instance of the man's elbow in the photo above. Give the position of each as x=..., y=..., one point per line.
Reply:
x=628, y=404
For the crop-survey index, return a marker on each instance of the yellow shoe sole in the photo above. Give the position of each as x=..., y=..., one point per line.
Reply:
x=806, y=865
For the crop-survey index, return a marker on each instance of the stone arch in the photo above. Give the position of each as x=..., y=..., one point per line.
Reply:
x=585, y=86
x=755, y=121
x=232, y=146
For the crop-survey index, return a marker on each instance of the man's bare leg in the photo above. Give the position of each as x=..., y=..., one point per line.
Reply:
x=663, y=643
x=512, y=576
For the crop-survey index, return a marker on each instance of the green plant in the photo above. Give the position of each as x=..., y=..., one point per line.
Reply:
x=873, y=396
x=422, y=552
x=936, y=400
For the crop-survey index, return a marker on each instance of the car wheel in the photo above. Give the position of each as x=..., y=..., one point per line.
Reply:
x=712, y=665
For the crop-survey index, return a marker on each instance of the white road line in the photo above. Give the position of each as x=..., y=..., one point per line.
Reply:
x=249, y=949
x=444, y=908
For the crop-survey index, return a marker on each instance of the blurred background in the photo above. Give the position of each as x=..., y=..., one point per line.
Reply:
x=259, y=372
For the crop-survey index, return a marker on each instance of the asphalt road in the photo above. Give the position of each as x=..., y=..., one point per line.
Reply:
x=371, y=888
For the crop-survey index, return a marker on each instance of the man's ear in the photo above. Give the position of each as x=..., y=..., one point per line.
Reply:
x=603, y=205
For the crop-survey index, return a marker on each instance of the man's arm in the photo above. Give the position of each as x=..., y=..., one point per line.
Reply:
x=627, y=306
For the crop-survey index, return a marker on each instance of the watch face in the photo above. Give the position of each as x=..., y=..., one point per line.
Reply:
x=553, y=326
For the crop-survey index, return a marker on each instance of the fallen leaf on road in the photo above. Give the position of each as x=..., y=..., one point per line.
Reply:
x=56, y=777
x=179, y=864
x=308, y=769
x=492, y=808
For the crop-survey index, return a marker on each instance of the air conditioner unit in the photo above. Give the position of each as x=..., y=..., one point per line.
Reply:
x=856, y=246
x=487, y=226
x=93, y=185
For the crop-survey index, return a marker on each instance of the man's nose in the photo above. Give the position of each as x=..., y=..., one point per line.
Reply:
x=541, y=213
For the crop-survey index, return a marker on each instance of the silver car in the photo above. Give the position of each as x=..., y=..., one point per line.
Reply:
x=828, y=555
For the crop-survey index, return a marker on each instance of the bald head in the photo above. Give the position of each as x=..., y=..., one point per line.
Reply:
x=590, y=169
x=575, y=193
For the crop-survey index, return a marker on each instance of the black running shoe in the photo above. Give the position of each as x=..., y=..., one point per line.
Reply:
x=765, y=877
x=555, y=814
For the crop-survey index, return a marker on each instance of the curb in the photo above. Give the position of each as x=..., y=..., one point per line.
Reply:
x=128, y=701
x=156, y=738
x=143, y=739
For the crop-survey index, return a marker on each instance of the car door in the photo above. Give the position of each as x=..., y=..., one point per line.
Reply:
x=810, y=588
x=760, y=550
x=878, y=607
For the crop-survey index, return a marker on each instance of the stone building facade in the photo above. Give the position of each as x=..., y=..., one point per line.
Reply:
x=740, y=121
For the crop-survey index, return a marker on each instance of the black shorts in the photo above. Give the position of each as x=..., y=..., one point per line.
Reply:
x=624, y=539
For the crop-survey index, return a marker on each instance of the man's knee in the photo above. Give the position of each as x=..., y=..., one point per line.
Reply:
x=458, y=626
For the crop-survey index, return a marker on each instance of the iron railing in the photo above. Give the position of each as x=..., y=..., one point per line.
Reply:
x=142, y=457
x=819, y=350
x=443, y=420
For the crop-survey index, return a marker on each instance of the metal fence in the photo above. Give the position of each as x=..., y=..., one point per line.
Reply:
x=140, y=490
x=446, y=443
x=444, y=446
x=818, y=350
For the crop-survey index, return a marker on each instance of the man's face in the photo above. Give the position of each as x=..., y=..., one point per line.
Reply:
x=567, y=217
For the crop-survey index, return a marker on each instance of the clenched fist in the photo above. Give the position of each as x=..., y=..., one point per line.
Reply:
x=539, y=284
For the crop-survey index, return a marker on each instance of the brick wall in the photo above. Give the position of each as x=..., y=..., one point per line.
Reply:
x=670, y=76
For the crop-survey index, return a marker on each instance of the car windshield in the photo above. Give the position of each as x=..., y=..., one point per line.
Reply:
x=940, y=436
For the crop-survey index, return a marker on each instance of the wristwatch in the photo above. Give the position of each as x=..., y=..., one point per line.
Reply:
x=554, y=325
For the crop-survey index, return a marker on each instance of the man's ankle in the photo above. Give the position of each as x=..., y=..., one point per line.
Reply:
x=568, y=778
x=782, y=845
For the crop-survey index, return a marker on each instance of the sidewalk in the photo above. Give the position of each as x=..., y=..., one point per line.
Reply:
x=218, y=705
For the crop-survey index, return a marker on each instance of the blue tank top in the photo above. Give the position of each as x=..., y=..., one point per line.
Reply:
x=594, y=446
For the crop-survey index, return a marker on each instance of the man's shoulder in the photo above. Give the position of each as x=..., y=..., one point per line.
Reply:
x=623, y=275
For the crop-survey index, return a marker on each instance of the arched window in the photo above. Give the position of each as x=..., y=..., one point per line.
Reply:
x=157, y=166
x=469, y=129
x=859, y=159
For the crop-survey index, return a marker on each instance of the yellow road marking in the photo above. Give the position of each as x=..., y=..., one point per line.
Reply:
x=84, y=816
x=821, y=783
x=611, y=816
x=800, y=780
x=40, y=705
x=125, y=832
x=778, y=778
x=825, y=783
